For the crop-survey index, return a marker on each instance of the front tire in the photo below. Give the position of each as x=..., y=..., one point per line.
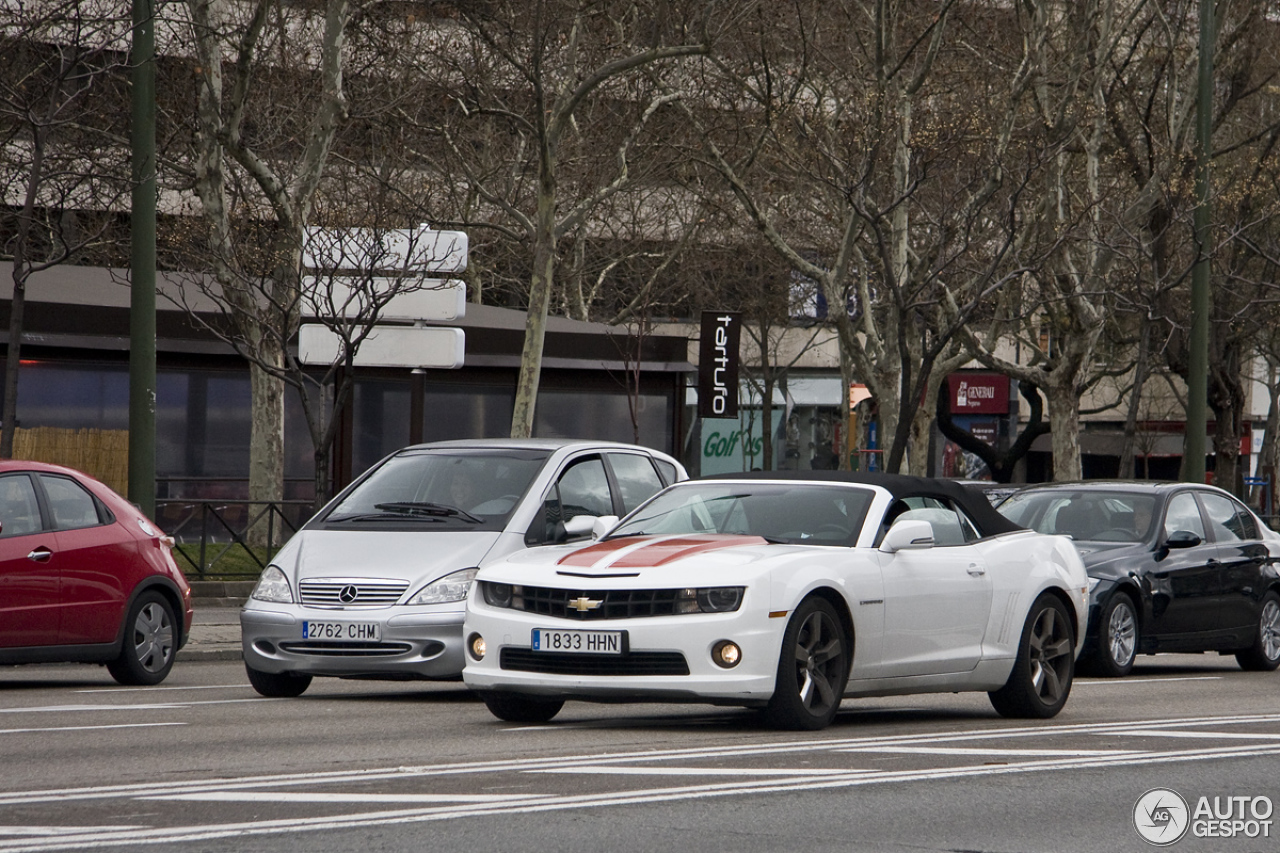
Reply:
x=1040, y=682
x=1264, y=655
x=277, y=685
x=520, y=707
x=149, y=647
x=812, y=669
x=1117, y=638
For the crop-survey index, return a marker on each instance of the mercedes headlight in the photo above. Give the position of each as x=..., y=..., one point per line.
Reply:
x=450, y=588
x=273, y=586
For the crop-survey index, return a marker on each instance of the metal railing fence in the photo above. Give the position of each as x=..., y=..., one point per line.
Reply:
x=229, y=537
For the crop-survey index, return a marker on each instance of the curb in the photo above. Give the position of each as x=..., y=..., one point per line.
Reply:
x=196, y=655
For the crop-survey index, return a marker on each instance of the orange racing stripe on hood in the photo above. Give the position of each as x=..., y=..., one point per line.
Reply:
x=660, y=552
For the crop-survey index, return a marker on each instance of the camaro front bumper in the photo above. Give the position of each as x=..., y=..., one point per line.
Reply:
x=666, y=658
x=414, y=642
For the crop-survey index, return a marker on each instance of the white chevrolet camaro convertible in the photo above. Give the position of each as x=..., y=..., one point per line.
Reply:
x=784, y=591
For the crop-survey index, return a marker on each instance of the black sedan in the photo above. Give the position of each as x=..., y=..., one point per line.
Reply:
x=1173, y=567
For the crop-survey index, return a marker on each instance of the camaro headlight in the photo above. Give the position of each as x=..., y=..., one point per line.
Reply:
x=451, y=587
x=496, y=594
x=712, y=599
x=273, y=586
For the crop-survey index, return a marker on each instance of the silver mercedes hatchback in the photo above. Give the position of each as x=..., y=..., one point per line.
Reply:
x=375, y=585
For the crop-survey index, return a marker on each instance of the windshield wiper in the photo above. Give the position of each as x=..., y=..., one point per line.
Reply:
x=427, y=508
x=382, y=516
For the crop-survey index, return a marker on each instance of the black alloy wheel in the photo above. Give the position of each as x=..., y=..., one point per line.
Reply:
x=1040, y=682
x=812, y=669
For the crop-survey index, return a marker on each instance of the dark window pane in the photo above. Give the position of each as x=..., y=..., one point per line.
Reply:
x=72, y=506
x=637, y=479
x=19, y=511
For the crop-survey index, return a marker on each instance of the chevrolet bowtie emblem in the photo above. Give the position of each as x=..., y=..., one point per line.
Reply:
x=583, y=604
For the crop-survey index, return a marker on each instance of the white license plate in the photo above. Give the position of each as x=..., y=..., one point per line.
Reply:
x=370, y=632
x=579, y=642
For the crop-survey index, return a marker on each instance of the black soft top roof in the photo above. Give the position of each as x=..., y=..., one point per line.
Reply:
x=976, y=506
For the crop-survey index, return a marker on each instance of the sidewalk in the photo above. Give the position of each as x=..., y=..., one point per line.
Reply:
x=215, y=635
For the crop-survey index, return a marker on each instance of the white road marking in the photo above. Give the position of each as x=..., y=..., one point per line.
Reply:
x=1125, y=682
x=184, y=834
x=295, y=797
x=1205, y=735
x=968, y=750
x=156, y=706
x=36, y=831
x=612, y=770
x=157, y=689
x=52, y=709
x=87, y=728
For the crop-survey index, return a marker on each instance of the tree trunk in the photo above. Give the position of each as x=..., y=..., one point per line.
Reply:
x=266, y=441
x=1128, y=449
x=13, y=357
x=1064, y=430
x=535, y=323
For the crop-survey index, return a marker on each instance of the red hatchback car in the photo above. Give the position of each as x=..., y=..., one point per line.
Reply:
x=85, y=577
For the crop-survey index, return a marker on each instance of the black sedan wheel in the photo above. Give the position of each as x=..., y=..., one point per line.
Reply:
x=1264, y=655
x=149, y=642
x=277, y=685
x=1117, y=638
x=1041, y=679
x=812, y=671
x=521, y=708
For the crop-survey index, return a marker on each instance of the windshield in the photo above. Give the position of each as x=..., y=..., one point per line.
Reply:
x=790, y=512
x=457, y=489
x=1083, y=515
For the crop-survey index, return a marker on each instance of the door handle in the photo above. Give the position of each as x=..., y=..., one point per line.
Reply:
x=976, y=570
x=40, y=555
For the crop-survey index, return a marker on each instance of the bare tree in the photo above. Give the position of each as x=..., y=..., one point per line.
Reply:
x=352, y=279
x=841, y=150
x=260, y=154
x=552, y=82
x=61, y=90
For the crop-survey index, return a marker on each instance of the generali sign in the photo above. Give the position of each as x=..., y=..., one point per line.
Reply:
x=979, y=393
x=718, y=364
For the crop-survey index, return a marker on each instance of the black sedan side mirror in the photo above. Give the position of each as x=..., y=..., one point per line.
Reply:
x=1182, y=539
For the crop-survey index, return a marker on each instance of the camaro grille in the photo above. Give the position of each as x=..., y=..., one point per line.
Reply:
x=635, y=663
x=319, y=649
x=582, y=606
x=354, y=592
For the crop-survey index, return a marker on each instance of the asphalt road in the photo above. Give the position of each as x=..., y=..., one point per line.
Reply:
x=201, y=763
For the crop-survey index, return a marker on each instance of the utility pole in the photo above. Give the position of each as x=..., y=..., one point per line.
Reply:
x=1201, y=304
x=142, y=269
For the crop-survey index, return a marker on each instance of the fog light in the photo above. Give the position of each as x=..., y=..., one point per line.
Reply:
x=475, y=645
x=726, y=654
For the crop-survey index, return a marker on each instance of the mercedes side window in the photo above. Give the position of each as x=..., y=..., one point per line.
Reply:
x=582, y=489
x=636, y=478
x=19, y=509
x=1183, y=514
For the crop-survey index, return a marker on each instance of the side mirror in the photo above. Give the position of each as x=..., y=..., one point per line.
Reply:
x=1182, y=539
x=579, y=525
x=603, y=525
x=910, y=535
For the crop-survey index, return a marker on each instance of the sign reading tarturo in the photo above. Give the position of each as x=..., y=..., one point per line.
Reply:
x=718, y=364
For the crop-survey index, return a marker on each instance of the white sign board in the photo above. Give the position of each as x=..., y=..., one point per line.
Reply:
x=413, y=250
x=431, y=299
x=387, y=346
